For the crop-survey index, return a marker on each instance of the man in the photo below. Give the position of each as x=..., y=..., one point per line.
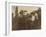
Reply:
x=34, y=16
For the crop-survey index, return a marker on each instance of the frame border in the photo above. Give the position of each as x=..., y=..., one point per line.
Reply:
x=6, y=12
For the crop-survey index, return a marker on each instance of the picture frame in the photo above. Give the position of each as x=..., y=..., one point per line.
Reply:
x=8, y=16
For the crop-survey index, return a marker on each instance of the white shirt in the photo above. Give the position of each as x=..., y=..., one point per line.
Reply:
x=33, y=18
x=36, y=15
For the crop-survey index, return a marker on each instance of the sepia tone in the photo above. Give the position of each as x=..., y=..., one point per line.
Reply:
x=26, y=18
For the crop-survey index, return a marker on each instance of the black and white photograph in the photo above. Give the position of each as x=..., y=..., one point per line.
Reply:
x=26, y=18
